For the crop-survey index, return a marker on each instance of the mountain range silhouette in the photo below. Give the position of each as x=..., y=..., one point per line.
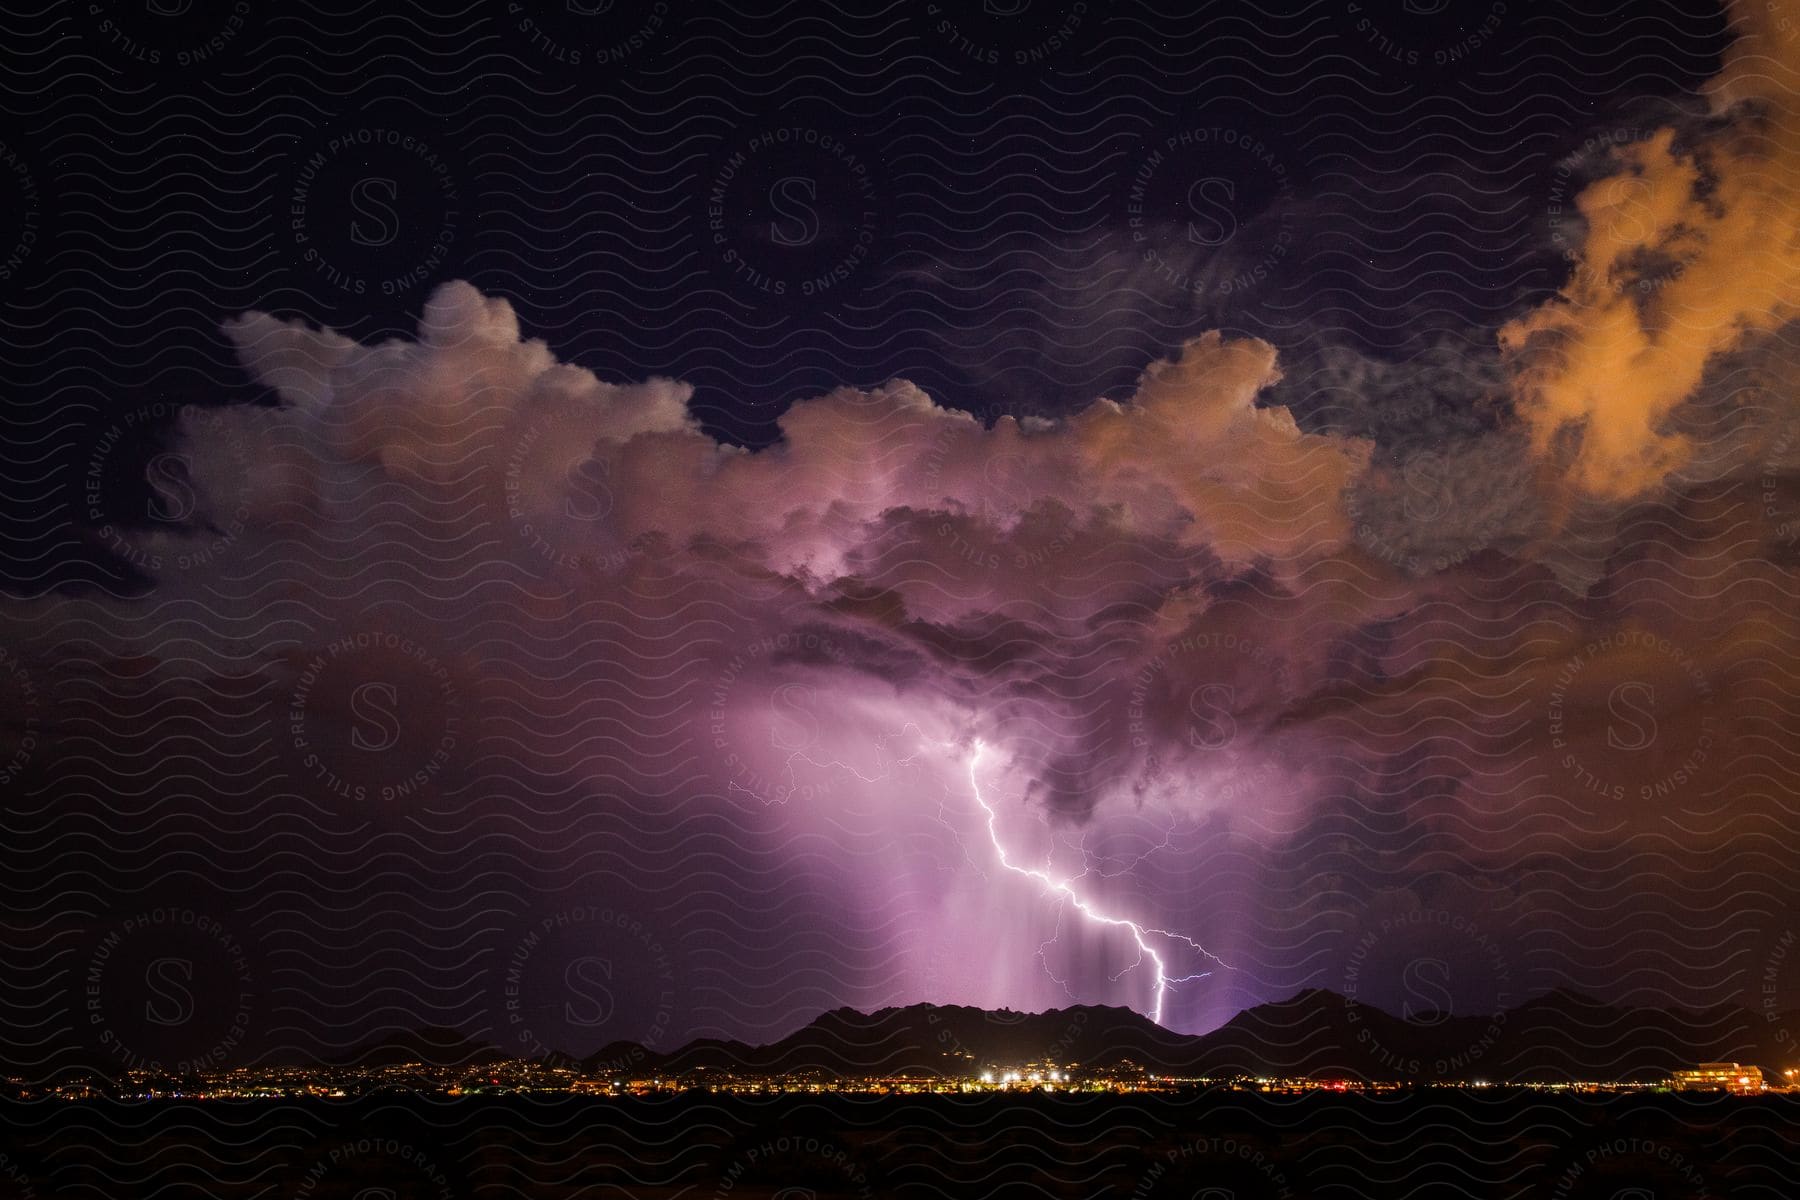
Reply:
x=1559, y=1036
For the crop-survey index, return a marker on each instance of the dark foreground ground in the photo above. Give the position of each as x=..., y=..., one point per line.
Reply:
x=1209, y=1147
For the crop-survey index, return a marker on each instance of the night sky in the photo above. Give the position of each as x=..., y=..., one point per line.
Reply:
x=627, y=520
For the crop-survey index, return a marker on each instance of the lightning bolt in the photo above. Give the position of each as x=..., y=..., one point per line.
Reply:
x=1066, y=889
x=1062, y=887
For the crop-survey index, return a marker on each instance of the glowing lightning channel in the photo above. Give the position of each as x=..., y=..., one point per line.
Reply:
x=1066, y=888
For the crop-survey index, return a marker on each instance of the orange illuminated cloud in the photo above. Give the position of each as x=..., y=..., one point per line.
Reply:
x=1688, y=252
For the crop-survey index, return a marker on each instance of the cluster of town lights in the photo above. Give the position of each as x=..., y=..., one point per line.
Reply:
x=1032, y=1077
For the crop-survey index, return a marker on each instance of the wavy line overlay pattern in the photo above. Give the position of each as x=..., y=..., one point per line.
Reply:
x=620, y=521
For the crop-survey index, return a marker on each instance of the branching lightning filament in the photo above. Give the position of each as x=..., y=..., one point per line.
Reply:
x=1066, y=889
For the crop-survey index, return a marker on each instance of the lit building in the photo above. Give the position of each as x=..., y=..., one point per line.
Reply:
x=1719, y=1077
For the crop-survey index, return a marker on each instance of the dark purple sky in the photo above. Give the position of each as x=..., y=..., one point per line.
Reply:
x=645, y=526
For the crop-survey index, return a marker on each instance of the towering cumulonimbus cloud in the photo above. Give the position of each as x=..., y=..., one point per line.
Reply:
x=1236, y=671
x=1692, y=245
x=847, y=611
x=1189, y=461
x=1011, y=570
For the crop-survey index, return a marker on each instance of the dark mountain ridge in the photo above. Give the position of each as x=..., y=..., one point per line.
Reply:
x=1556, y=1037
x=1559, y=1036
